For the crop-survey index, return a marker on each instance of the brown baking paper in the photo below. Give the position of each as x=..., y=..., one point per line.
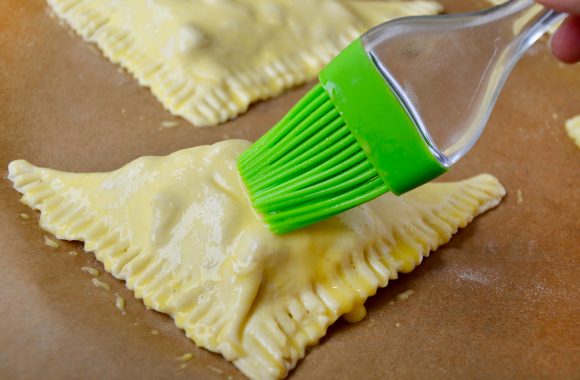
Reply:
x=501, y=301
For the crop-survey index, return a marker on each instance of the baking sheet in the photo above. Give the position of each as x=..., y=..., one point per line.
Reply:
x=500, y=301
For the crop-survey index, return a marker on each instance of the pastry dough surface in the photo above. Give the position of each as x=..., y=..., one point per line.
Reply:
x=182, y=234
x=573, y=129
x=208, y=60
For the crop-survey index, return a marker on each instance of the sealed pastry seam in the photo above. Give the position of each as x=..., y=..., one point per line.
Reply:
x=260, y=300
x=180, y=86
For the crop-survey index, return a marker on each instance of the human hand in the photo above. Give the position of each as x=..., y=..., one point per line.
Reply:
x=566, y=41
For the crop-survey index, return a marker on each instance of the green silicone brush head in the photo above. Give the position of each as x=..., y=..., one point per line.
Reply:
x=308, y=167
x=348, y=141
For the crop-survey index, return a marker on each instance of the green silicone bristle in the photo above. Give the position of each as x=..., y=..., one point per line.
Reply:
x=308, y=167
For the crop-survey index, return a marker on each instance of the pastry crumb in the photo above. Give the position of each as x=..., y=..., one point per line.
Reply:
x=24, y=216
x=185, y=357
x=520, y=196
x=391, y=303
x=94, y=50
x=73, y=253
x=91, y=271
x=51, y=243
x=120, y=303
x=169, y=124
x=154, y=332
x=100, y=284
x=215, y=369
x=398, y=324
x=405, y=295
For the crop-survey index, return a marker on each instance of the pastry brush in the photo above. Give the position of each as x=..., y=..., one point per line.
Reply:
x=394, y=110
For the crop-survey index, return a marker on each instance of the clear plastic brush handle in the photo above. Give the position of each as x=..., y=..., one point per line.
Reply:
x=449, y=70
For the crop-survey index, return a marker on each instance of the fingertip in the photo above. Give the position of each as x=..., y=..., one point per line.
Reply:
x=565, y=44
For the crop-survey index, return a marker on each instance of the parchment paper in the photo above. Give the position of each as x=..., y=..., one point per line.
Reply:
x=501, y=301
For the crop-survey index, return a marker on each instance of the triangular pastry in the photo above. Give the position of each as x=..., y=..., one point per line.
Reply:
x=573, y=129
x=182, y=234
x=208, y=60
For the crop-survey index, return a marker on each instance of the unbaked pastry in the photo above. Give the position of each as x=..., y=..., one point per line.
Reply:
x=182, y=234
x=573, y=129
x=208, y=60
